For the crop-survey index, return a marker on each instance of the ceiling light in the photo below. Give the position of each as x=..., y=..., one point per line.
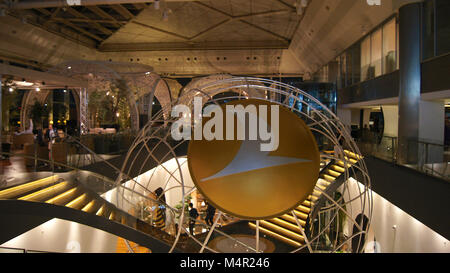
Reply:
x=11, y=89
x=23, y=83
x=38, y=89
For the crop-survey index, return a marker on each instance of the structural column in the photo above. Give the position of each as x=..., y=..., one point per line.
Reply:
x=410, y=82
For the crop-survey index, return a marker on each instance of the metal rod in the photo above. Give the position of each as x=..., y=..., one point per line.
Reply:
x=257, y=236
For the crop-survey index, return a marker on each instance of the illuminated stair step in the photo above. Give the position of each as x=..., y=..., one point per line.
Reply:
x=63, y=197
x=78, y=202
x=333, y=173
x=276, y=236
x=46, y=193
x=303, y=209
x=281, y=230
x=300, y=215
x=323, y=182
x=337, y=168
x=353, y=155
x=313, y=198
x=16, y=191
x=341, y=164
x=329, y=178
x=291, y=219
x=91, y=206
x=112, y=215
x=321, y=186
x=285, y=224
x=101, y=210
x=351, y=160
x=306, y=203
x=107, y=211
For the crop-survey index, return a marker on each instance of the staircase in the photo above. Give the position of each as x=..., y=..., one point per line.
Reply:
x=54, y=190
x=285, y=228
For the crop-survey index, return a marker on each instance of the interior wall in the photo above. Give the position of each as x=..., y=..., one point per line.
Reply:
x=355, y=117
x=390, y=114
x=432, y=121
x=431, y=130
x=345, y=115
x=64, y=236
x=394, y=230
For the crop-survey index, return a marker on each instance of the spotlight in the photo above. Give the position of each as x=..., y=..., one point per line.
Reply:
x=11, y=89
x=38, y=89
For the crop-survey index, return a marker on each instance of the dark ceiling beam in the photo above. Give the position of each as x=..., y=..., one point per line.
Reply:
x=286, y=5
x=202, y=33
x=103, y=14
x=139, y=6
x=104, y=21
x=161, y=30
x=95, y=24
x=75, y=27
x=52, y=16
x=189, y=46
x=124, y=12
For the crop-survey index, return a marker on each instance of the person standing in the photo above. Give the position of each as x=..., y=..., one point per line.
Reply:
x=51, y=135
x=210, y=212
x=193, y=214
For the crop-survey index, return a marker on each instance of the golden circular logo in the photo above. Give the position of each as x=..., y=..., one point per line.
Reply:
x=238, y=177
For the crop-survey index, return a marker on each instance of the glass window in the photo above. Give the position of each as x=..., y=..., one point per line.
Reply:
x=365, y=58
x=442, y=27
x=348, y=60
x=389, y=47
x=356, y=63
x=376, y=55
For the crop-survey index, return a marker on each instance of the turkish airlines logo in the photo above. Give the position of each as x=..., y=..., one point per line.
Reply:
x=240, y=175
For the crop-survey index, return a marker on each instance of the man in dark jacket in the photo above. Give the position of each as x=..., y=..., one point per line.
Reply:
x=193, y=213
x=210, y=212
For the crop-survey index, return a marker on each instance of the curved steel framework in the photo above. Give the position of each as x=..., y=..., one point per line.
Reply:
x=322, y=122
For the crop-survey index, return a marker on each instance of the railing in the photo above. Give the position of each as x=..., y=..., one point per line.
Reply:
x=19, y=250
x=426, y=157
x=67, y=161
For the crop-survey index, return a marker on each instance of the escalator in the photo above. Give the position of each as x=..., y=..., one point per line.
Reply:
x=286, y=227
x=28, y=205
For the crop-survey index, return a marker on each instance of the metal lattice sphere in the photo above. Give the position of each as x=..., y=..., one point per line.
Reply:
x=155, y=181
